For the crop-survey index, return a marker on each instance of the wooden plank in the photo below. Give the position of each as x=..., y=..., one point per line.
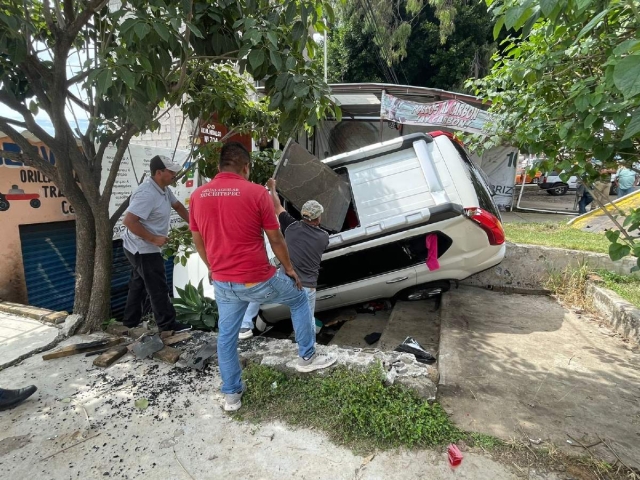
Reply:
x=168, y=354
x=166, y=334
x=117, y=329
x=82, y=348
x=109, y=357
x=181, y=337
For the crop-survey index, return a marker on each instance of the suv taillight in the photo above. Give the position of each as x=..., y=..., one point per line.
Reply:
x=488, y=222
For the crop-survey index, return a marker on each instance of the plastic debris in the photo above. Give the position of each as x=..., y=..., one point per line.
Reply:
x=455, y=455
x=410, y=345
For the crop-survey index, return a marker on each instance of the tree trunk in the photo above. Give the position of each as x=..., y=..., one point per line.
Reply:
x=85, y=255
x=100, y=303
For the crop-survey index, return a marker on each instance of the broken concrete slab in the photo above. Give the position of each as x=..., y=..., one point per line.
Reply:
x=147, y=346
x=620, y=314
x=514, y=365
x=71, y=325
x=283, y=354
x=22, y=337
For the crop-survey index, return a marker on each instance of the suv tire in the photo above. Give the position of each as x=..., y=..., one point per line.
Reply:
x=558, y=189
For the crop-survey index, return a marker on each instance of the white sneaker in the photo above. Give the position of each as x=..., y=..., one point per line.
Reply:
x=245, y=333
x=315, y=362
x=233, y=401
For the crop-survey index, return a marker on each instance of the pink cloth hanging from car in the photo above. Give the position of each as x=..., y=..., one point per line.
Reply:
x=432, y=252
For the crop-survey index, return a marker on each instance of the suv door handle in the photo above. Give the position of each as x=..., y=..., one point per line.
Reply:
x=326, y=297
x=399, y=279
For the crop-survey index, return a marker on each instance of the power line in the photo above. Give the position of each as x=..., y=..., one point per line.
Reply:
x=382, y=44
x=367, y=17
x=384, y=68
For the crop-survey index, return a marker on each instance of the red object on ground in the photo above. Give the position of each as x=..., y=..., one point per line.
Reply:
x=21, y=196
x=455, y=455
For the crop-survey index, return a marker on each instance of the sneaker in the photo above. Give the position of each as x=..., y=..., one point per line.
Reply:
x=315, y=362
x=11, y=398
x=245, y=333
x=233, y=401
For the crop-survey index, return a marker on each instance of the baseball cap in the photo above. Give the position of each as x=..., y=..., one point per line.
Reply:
x=160, y=162
x=311, y=210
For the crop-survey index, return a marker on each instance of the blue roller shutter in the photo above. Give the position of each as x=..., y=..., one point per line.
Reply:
x=49, y=256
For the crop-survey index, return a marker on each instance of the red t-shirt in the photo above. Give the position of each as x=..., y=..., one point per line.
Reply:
x=230, y=213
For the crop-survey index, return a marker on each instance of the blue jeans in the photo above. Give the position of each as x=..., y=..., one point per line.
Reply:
x=624, y=191
x=584, y=201
x=233, y=300
x=254, y=308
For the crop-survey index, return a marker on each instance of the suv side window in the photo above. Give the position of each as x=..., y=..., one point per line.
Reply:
x=480, y=184
x=379, y=260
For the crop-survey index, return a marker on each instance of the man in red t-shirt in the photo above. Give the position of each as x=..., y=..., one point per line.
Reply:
x=227, y=217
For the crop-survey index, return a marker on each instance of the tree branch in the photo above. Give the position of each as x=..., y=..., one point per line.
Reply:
x=187, y=35
x=46, y=10
x=80, y=21
x=30, y=155
x=78, y=78
x=11, y=121
x=30, y=121
x=79, y=102
x=69, y=11
x=115, y=166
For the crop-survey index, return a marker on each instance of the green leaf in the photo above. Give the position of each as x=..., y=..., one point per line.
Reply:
x=256, y=58
x=590, y=26
x=612, y=235
x=152, y=91
x=291, y=62
x=33, y=107
x=301, y=90
x=142, y=30
x=104, y=81
x=298, y=31
x=582, y=102
x=162, y=31
x=547, y=7
x=183, y=261
x=582, y=4
x=589, y=120
x=273, y=38
x=195, y=30
x=626, y=76
x=618, y=251
x=145, y=63
x=497, y=27
x=130, y=79
x=276, y=99
x=626, y=46
x=141, y=403
x=276, y=59
x=291, y=11
x=281, y=81
x=634, y=126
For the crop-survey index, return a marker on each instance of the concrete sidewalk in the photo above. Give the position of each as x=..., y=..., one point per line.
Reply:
x=20, y=337
x=522, y=366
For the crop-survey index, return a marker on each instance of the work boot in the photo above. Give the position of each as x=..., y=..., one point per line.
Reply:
x=11, y=398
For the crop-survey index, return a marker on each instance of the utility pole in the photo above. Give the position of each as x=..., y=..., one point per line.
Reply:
x=325, y=50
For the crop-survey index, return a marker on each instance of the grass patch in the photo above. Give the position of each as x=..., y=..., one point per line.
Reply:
x=556, y=235
x=627, y=286
x=570, y=286
x=355, y=408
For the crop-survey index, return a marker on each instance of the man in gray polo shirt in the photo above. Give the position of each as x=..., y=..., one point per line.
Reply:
x=147, y=227
x=306, y=242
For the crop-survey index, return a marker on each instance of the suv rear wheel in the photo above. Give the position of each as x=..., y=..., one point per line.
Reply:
x=558, y=189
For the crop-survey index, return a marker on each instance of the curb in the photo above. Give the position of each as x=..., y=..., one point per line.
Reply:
x=620, y=314
x=40, y=314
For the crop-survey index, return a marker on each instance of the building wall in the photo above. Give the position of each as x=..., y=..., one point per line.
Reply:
x=53, y=207
x=167, y=135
